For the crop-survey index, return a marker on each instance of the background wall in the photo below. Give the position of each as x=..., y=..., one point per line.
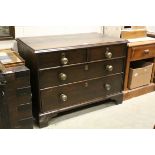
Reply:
x=151, y=28
x=28, y=31
x=113, y=31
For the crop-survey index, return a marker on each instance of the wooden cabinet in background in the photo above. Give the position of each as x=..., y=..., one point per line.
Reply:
x=144, y=50
x=15, y=98
x=15, y=92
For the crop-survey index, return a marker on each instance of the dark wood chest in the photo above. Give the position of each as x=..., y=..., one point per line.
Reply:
x=72, y=71
x=15, y=98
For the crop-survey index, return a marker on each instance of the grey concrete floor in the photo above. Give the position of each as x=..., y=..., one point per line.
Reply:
x=136, y=113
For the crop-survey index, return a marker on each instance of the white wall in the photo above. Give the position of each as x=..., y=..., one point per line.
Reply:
x=112, y=31
x=151, y=28
x=29, y=31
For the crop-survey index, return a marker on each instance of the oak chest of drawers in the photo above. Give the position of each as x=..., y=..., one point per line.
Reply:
x=15, y=98
x=71, y=71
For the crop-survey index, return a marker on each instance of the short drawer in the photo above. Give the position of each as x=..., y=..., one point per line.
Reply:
x=106, y=52
x=78, y=93
x=18, y=76
x=61, y=58
x=142, y=52
x=20, y=112
x=24, y=110
x=26, y=123
x=18, y=95
x=60, y=76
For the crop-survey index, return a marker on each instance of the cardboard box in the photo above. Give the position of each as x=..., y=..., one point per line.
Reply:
x=140, y=74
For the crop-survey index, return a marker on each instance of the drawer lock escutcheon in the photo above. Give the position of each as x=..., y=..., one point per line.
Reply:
x=63, y=97
x=86, y=68
x=86, y=84
x=107, y=86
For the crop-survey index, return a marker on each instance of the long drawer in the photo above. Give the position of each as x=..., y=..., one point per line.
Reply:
x=77, y=93
x=68, y=57
x=142, y=52
x=64, y=75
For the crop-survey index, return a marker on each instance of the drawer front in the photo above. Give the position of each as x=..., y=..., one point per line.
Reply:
x=60, y=76
x=22, y=78
x=106, y=52
x=73, y=94
x=18, y=96
x=24, y=111
x=26, y=123
x=142, y=52
x=17, y=75
x=61, y=58
x=17, y=80
x=20, y=112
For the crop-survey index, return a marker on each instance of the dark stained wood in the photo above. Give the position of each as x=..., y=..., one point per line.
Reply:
x=44, y=118
x=46, y=60
x=16, y=103
x=64, y=42
x=79, y=92
x=50, y=77
x=85, y=70
x=4, y=121
x=98, y=53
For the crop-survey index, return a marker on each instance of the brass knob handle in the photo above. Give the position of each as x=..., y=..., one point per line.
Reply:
x=147, y=51
x=108, y=54
x=86, y=84
x=64, y=61
x=108, y=87
x=63, y=97
x=62, y=76
x=109, y=68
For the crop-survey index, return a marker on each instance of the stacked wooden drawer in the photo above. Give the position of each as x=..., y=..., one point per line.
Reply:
x=15, y=98
x=75, y=75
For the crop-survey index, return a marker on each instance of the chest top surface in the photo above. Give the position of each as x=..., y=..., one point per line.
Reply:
x=64, y=42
